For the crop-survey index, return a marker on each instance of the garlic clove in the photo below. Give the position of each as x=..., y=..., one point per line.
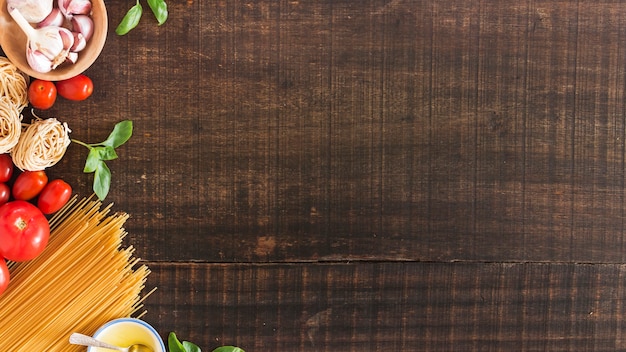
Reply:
x=67, y=37
x=72, y=57
x=34, y=11
x=38, y=61
x=62, y=5
x=55, y=18
x=79, y=42
x=84, y=25
x=69, y=8
x=79, y=7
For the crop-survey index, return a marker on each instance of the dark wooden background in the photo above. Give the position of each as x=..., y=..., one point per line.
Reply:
x=383, y=175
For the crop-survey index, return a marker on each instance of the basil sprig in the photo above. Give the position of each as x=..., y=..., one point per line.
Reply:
x=99, y=153
x=175, y=345
x=132, y=17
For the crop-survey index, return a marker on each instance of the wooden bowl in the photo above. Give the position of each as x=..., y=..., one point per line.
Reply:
x=13, y=42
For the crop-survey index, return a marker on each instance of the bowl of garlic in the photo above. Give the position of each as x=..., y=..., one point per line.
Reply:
x=53, y=39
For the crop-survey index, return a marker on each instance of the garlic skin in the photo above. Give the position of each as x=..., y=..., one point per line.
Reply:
x=79, y=42
x=69, y=8
x=34, y=11
x=38, y=61
x=83, y=24
x=55, y=18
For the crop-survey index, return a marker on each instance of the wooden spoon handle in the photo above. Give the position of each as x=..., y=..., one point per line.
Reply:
x=84, y=340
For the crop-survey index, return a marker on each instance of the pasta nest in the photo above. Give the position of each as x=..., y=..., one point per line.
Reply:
x=41, y=144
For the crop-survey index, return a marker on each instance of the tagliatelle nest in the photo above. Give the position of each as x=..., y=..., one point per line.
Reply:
x=13, y=84
x=10, y=124
x=41, y=144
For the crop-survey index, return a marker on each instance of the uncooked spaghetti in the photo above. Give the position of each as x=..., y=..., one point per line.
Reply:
x=13, y=83
x=10, y=124
x=82, y=280
x=42, y=144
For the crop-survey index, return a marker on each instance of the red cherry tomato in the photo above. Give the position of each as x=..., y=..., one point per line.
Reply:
x=54, y=196
x=5, y=193
x=4, y=275
x=6, y=167
x=29, y=184
x=42, y=94
x=76, y=88
x=24, y=231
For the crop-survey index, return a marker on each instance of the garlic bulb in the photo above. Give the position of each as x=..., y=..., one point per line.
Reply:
x=34, y=11
x=47, y=47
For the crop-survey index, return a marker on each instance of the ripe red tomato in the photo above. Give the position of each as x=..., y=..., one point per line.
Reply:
x=76, y=88
x=54, y=196
x=24, y=231
x=4, y=275
x=42, y=94
x=28, y=184
x=5, y=193
x=6, y=167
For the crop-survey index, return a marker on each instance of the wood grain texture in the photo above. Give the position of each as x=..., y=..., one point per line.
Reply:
x=413, y=175
x=338, y=130
x=393, y=306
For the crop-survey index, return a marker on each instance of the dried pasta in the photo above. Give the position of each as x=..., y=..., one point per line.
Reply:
x=42, y=144
x=82, y=280
x=13, y=84
x=10, y=124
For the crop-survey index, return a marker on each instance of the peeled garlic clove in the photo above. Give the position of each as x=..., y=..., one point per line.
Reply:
x=79, y=42
x=69, y=8
x=55, y=18
x=34, y=11
x=84, y=25
x=38, y=61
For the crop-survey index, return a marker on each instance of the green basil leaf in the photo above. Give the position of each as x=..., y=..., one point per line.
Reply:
x=130, y=20
x=107, y=153
x=121, y=133
x=173, y=344
x=102, y=180
x=93, y=158
x=228, y=349
x=190, y=347
x=159, y=9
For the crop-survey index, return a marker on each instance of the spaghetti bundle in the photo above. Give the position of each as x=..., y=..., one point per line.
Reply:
x=13, y=84
x=10, y=124
x=42, y=144
x=82, y=280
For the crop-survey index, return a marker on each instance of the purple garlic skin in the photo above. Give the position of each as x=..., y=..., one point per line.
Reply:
x=79, y=42
x=83, y=24
x=34, y=11
x=38, y=61
x=69, y=8
x=55, y=18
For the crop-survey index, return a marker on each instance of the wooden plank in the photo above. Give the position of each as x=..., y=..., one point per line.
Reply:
x=386, y=130
x=392, y=306
x=411, y=130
